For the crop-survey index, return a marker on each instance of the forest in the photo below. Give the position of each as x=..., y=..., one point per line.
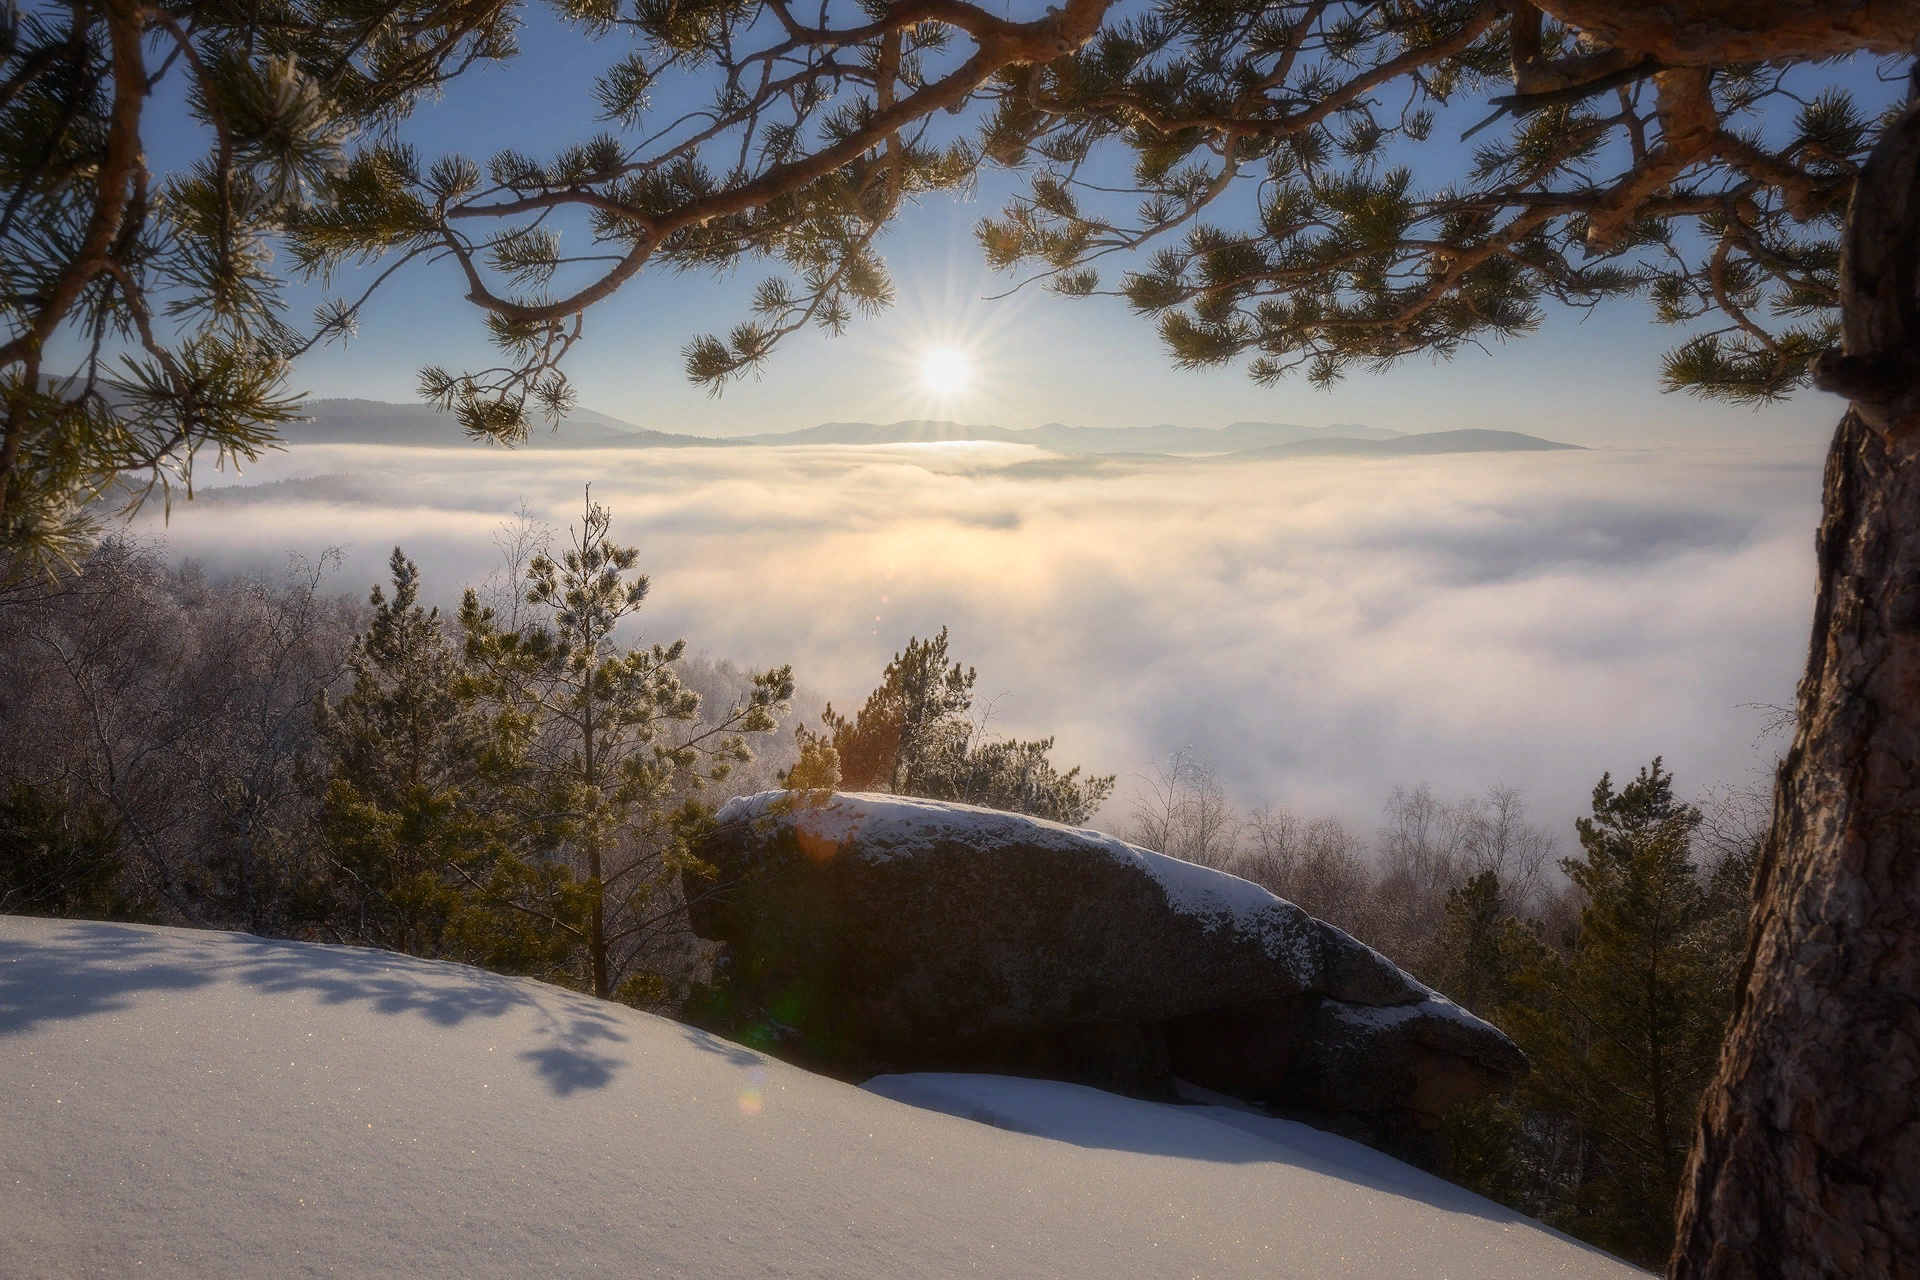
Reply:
x=520, y=784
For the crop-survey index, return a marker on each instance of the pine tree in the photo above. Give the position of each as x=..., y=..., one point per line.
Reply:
x=1481, y=946
x=911, y=727
x=306, y=171
x=582, y=731
x=1623, y=1029
x=1020, y=776
x=57, y=860
x=1641, y=149
x=421, y=850
x=401, y=726
x=1695, y=153
x=914, y=736
x=1501, y=1147
x=142, y=317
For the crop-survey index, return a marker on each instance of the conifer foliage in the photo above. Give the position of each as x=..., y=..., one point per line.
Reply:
x=1622, y=1019
x=141, y=317
x=585, y=731
x=1616, y=982
x=915, y=736
x=56, y=861
x=421, y=850
x=525, y=797
x=1274, y=217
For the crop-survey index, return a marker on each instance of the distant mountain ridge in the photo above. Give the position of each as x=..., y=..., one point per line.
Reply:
x=357, y=421
x=353, y=421
x=1468, y=440
x=1165, y=438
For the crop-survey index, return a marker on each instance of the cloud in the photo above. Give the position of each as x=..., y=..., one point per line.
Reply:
x=1324, y=629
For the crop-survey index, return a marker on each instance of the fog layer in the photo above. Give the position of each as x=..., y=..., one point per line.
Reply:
x=1323, y=629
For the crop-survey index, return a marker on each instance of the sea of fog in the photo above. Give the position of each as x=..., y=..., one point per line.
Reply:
x=1322, y=629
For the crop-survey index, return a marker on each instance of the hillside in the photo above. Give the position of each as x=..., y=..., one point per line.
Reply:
x=1471, y=440
x=348, y=421
x=1060, y=438
x=187, y=1103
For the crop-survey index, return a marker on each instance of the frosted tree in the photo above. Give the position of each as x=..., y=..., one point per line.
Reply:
x=583, y=728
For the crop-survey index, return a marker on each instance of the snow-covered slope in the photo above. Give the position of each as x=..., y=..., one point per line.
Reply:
x=204, y=1104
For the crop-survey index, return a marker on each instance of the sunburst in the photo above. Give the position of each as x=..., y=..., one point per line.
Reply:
x=945, y=372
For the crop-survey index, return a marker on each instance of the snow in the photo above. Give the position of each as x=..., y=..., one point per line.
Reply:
x=1233, y=1134
x=184, y=1103
x=1434, y=1005
x=890, y=826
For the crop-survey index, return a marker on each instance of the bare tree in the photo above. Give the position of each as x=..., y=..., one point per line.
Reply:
x=1420, y=857
x=1497, y=837
x=1392, y=896
x=184, y=709
x=1319, y=865
x=1180, y=809
x=520, y=539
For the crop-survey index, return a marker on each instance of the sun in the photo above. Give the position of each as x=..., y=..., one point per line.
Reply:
x=944, y=371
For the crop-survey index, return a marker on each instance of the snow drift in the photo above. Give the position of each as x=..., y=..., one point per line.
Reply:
x=197, y=1104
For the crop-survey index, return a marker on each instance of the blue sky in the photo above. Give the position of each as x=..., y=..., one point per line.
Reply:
x=1589, y=380
x=1038, y=358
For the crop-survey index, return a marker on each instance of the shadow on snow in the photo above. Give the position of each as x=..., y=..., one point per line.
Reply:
x=80, y=970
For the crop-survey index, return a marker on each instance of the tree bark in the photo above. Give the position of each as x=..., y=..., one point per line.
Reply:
x=1807, y=1160
x=1713, y=33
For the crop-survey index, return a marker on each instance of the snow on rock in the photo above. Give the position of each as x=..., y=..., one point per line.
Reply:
x=876, y=827
x=188, y=1104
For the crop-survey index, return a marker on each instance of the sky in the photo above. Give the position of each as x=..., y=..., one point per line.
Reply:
x=1037, y=358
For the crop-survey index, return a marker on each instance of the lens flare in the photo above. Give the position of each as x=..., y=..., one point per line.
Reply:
x=753, y=1098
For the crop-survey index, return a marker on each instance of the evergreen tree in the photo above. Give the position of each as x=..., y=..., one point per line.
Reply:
x=1481, y=946
x=581, y=735
x=1623, y=1029
x=402, y=725
x=420, y=848
x=909, y=729
x=914, y=736
x=56, y=860
x=306, y=163
x=1500, y=1147
x=515, y=799
x=1642, y=149
x=142, y=321
x=1020, y=776
x=1339, y=259
x=391, y=805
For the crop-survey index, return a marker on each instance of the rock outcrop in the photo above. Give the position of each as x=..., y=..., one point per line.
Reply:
x=871, y=933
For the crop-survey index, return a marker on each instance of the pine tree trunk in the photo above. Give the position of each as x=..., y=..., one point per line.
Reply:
x=597, y=925
x=1807, y=1162
x=597, y=920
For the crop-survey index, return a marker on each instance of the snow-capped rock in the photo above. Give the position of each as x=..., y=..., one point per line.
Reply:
x=873, y=933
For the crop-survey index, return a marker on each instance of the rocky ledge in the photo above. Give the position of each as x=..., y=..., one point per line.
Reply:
x=874, y=933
